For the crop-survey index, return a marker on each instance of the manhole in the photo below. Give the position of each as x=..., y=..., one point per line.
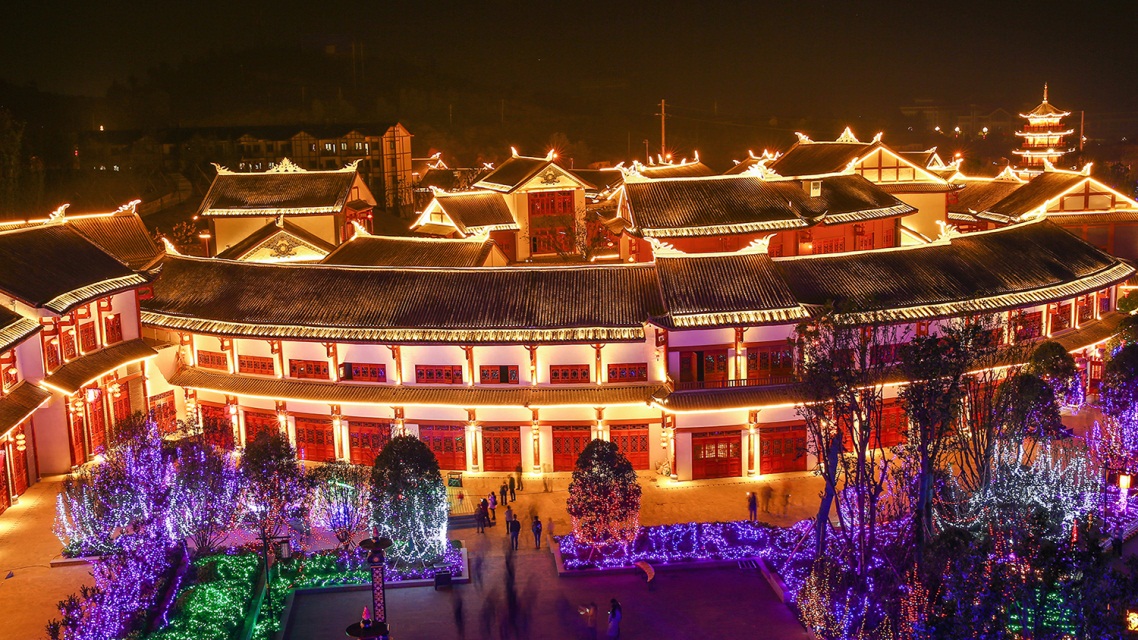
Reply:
x=749, y=564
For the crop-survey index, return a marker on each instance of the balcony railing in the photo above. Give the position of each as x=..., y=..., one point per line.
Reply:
x=767, y=381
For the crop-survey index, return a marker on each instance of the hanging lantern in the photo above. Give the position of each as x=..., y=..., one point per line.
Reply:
x=21, y=442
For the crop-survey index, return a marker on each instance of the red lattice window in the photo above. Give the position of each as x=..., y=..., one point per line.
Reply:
x=493, y=374
x=87, y=337
x=308, y=369
x=257, y=365
x=363, y=372
x=213, y=360
x=436, y=374
x=569, y=373
x=113, y=326
x=67, y=339
x=628, y=372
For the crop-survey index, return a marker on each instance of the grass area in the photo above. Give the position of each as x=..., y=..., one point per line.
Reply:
x=216, y=596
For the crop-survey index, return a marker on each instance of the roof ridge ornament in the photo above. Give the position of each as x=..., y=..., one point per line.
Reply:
x=847, y=136
x=1087, y=169
x=1008, y=175
x=129, y=208
x=759, y=245
x=221, y=170
x=59, y=215
x=171, y=250
x=514, y=152
x=354, y=165
x=877, y=138
x=1048, y=167
x=360, y=231
x=803, y=138
x=947, y=232
x=550, y=155
x=288, y=166
x=761, y=171
x=664, y=249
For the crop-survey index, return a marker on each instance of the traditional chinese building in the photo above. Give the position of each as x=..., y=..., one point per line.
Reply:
x=285, y=214
x=684, y=360
x=366, y=250
x=1044, y=136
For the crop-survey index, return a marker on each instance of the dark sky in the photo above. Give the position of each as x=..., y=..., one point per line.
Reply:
x=746, y=56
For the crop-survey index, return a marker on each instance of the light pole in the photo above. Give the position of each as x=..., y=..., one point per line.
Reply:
x=376, y=627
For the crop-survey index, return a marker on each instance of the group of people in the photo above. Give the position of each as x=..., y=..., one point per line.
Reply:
x=589, y=613
x=766, y=492
x=486, y=514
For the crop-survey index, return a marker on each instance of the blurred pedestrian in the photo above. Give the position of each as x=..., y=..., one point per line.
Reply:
x=493, y=503
x=589, y=615
x=480, y=519
x=615, y=614
x=459, y=620
x=509, y=516
x=536, y=528
x=752, y=506
x=766, y=494
x=515, y=527
x=513, y=485
x=504, y=491
x=785, y=502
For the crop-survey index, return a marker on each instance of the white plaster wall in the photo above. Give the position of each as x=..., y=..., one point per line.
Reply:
x=501, y=356
x=775, y=333
x=630, y=353
x=731, y=418
x=431, y=355
x=563, y=354
x=126, y=305
x=698, y=338
x=53, y=454
x=370, y=353
x=683, y=456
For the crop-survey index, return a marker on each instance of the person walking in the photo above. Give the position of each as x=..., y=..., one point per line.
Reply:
x=766, y=493
x=536, y=528
x=785, y=502
x=480, y=519
x=504, y=491
x=513, y=485
x=615, y=614
x=492, y=501
x=589, y=614
x=752, y=506
x=515, y=527
x=509, y=516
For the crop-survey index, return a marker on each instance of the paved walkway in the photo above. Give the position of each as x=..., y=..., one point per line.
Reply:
x=712, y=603
x=27, y=544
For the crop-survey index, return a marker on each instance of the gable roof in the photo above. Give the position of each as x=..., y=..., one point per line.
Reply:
x=1036, y=193
x=278, y=243
x=695, y=169
x=599, y=181
x=746, y=204
x=979, y=195
x=282, y=192
x=810, y=158
x=719, y=289
x=485, y=304
x=55, y=267
x=447, y=179
x=387, y=251
x=1028, y=263
x=513, y=173
x=120, y=233
x=470, y=211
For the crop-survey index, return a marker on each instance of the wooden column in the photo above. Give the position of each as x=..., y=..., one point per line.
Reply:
x=740, y=371
x=598, y=376
x=472, y=439
x=601, y=430
x=397, y=355
x=276, y=350
x=229, y=347
x=532, y=348
x=469, y=351
x=235, y=417
x=755, y=443
x=333, y=361
x=535, y=425
x=339, y=439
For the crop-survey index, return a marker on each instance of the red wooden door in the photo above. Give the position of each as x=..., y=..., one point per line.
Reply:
x=894, y=425
x=782, y=449
x=256, y=422
x=366, y=439
x=120, y=406
x=314, y=439
x=97, y=424
x=568, y=443
x=164, y=412
x=5, y=493
x=217, y=428
x=717, y=455
x=448, y=442
x=19, y=467
x=502, y=448
x=78, y=448
x=632, y=441
x=714, y=367
x=689, y=366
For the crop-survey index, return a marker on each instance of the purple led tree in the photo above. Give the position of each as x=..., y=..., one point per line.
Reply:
x=410, y=500
x=206, y=493
x=275, y=488
x=341, y=499
x=1115, y=437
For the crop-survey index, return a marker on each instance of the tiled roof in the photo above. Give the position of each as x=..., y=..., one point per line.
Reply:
x=54, y=267
x=123, y=235
x=746, y=204
x=601, y=180
x=14, y=328
x=818, y=158
x=253, y=240
x=742, y=166
x=261, y=194
x=450, y=179
x=19, y=403
x=695, y=169
x=986, y=271
x=724, y=289
x=407, y=305
x=916, y=187
x=72, y=376
x=979, y=195
x=1036, y=193
x=472, y=210
x=386, y=251
x=412, y=395
x=513, y=173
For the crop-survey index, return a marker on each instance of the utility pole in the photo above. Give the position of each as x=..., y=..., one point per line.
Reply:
x=663, y=135
x=1082, y=129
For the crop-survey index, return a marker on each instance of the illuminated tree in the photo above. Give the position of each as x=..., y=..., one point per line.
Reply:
x=1115, y=437
x=410, y=500
x=206, y=493
x=604, y=496
x=275, y=487
x=341, y=501
x=1051, y=362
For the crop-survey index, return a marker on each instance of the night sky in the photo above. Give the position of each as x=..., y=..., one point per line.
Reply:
x=801, y=57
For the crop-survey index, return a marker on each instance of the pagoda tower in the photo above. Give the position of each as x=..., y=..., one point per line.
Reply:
x=1043, y=135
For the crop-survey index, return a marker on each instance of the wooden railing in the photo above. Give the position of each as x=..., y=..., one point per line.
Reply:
x=767, y=381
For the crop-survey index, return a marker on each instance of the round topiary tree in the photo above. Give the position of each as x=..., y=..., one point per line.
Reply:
x=1051, y=362
x=410, y=500
x=604, y=496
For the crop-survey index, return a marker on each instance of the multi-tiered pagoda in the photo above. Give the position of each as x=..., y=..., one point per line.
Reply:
x=1044, y=137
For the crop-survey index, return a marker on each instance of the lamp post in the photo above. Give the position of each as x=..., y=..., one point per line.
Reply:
x=284, y=554
x=374, y=628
